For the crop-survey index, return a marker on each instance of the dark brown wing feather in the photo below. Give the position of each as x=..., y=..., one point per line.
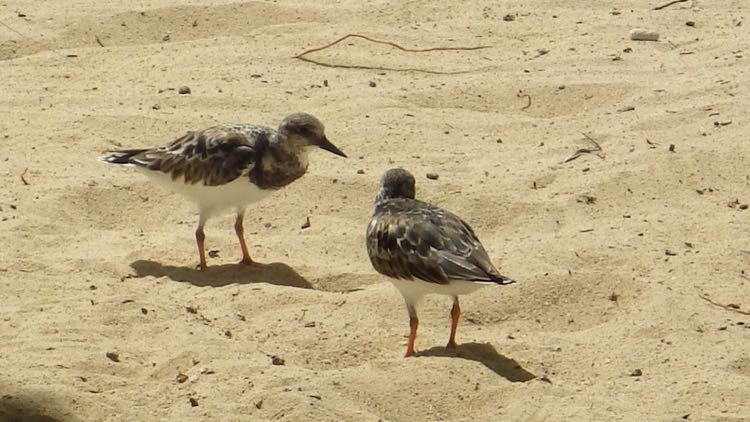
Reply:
x=408, y=238
x=213, y=156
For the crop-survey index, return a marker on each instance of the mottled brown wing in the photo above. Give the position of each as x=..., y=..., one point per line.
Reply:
x=408, y=238
x=213, y=156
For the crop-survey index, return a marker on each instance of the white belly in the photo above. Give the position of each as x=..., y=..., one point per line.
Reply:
x=414, y=290
x=236, y=194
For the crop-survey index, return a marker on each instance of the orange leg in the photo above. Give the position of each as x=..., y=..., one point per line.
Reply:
x=240, y=230
x=455, y=314
x=413, y=324
x=200, y=238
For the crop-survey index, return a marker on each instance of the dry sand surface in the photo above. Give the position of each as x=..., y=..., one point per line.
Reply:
x=612, y=251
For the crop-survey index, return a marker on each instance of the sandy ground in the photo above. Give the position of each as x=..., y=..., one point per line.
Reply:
x=613, y=252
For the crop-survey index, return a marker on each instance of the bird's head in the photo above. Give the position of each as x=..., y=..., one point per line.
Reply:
x=305, y=130
x=396, y=183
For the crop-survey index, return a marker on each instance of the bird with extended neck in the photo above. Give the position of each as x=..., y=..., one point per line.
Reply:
x=230, y=166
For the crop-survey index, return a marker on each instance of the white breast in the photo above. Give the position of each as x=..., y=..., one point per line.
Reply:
x=236, y=194
x=414, y=290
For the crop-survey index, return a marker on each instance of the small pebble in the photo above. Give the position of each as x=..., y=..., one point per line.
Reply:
x=636, y=373
x=360, y=171
x=193, y=402
x=641, y=34
x=183, y=90
x=433, y=176
x=113, y=356
x=373, y=84
x=690, y=24
x=275, y=360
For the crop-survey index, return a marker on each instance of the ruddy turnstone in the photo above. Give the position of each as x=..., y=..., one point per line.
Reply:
x=230, y=166
x=425, y=249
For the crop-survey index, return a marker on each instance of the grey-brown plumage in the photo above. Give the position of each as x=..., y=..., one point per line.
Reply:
x=218, y=155
x=230, y=165
x=424, y=248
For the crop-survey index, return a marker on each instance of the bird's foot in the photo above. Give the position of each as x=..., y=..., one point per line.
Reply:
x=249, y=262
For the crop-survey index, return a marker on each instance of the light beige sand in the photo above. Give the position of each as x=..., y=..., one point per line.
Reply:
x=95, y=260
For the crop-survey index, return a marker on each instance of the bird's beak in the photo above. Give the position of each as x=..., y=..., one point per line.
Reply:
x=328, y=146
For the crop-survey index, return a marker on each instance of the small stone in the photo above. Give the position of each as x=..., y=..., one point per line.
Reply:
x=743, y=207
x=636, y=373
x=690, y=24
x=373, y=84
x=166, y=37
x=360, y=171
x=278, y=361
x=306, y=224
x=641, y=34
x=325, y=83
x=432, y=176
x=509, y=18
x=671, y=147
x=193, y=402
x=183, y=90
x=670, y=253
x=113, y=356
x=156, y=106
x=144, y=311
x=181, y=378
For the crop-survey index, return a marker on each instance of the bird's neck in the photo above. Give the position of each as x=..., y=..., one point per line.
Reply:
x=280, y=164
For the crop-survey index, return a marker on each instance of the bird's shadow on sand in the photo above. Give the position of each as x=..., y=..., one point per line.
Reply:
x=223, y=275
x=32, y=408
x=487, y=356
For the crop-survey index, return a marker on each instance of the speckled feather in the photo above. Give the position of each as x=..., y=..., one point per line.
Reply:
x=408, y=238
x=212, y=156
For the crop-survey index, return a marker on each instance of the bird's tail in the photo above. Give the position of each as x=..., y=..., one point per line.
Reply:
x=501, y=279
x=120, y=156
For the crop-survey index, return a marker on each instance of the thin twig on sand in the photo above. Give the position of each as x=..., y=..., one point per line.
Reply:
x=528, y=97
x=302, y=55
x=730, y=307
x=596, y=150
x=668, y=4
x=23, y=177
